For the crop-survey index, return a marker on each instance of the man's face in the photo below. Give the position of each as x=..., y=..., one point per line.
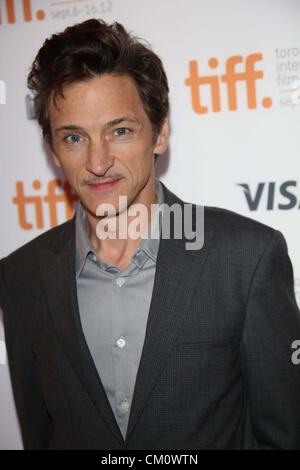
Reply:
x=103, y=140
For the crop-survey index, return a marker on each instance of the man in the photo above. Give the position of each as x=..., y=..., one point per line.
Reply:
x=138, y=342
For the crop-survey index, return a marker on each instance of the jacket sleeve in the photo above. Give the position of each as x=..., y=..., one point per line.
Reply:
x=272, y=325
x=34, y=420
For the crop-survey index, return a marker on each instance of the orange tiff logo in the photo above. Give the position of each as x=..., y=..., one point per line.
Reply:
x=27, y=11
x=249, y=75
x=51, y=199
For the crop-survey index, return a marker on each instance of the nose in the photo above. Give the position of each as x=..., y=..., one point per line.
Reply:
x=98, y=160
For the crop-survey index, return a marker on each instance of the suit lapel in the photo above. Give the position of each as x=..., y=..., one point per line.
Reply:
x=58, y=276
x=178, y=271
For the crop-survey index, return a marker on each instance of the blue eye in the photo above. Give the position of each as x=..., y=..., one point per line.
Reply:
x=121, y=131
x=72, y=138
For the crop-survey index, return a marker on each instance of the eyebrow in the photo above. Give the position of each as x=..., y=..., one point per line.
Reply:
x=114, y=122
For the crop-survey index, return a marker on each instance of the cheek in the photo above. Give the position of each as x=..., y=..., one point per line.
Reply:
x=137, y=166
x=72, y=172
x=137, y=156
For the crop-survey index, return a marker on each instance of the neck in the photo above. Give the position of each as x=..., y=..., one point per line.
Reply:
x=125, y=231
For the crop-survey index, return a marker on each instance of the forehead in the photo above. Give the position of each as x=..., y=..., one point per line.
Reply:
x=104, y=97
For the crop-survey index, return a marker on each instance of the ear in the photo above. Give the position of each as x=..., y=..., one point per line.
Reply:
x=162, y=138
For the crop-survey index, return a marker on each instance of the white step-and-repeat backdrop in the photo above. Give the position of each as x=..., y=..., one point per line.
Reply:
x=234, y=72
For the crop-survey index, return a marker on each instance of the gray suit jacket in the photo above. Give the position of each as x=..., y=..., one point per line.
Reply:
x=215, y=371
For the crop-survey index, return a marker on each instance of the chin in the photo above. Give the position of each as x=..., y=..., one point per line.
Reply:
x=92, y=208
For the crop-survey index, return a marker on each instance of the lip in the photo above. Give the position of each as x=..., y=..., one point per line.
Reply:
x=103, y=186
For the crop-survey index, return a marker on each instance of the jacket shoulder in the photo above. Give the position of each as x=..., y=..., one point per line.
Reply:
x=226, y=223
x=228, y=218
x=238, y=231
x=51, y=239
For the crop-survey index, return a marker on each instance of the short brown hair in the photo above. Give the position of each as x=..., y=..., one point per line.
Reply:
x=92, y=48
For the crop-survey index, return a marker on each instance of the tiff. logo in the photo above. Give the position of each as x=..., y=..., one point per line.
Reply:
x=196, y=81
x=51, y=199
x=9, y=6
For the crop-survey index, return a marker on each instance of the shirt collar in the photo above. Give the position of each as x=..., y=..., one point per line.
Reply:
x=149, y=246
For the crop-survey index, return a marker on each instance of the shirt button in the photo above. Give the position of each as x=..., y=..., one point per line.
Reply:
x=94, y=258
x=120, y=281
x=125, y=405
x=121, y=342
